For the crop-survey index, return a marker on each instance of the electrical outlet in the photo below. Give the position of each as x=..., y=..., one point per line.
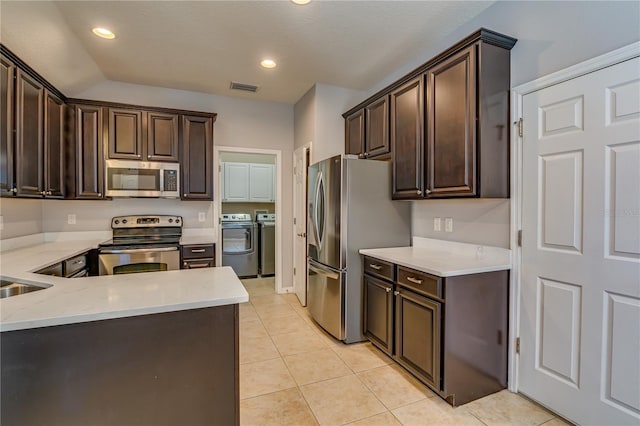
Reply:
x=448, y=224
x=437, y=224
x=71, y=219
x=202, y=216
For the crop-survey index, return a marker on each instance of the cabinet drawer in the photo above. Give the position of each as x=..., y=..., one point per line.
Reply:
x=420, y=282
x=73, y=265
x=198, y=263
x=378, y=268
x=200, y=251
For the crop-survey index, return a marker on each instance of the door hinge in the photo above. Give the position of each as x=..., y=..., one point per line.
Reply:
x=294, y=271
x=520, y=128
x=219, y=167
x=517, y=345
x=294, y=220
x=520, y=238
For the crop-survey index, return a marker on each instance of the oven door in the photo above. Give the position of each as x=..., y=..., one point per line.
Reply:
x=129, y=261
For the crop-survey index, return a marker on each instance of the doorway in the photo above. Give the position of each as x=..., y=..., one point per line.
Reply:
x=248, y=183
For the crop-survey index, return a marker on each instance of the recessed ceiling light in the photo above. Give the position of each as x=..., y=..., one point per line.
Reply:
x=301, y=2
x=268, y=63
x=104, y=33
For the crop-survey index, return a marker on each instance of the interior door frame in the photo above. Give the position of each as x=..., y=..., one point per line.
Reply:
x=306, y=149
x=217, y=203
x=517, y=93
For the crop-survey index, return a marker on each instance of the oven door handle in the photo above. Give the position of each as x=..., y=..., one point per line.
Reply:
x=140, y=250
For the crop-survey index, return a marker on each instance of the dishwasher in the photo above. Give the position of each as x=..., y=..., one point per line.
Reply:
x=239, y=244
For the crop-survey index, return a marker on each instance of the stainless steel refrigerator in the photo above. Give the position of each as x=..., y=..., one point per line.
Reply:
x=350, y=208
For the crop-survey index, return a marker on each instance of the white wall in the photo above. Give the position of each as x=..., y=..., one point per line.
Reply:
x=20, y=216
x=551, y=36
x=318, y=118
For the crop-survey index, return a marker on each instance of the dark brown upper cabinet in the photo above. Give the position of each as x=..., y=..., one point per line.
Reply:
x=54, y=144
x=354, y=133
x=143, y=135
x=459, y=146
x=407, y=140
x=197, y=157
x=7, y=109
x=377, y=129
x=467, y=124
x=162, y=137
x=29, y=133
x=125, y=134
x=86, y=153
x=451, y=127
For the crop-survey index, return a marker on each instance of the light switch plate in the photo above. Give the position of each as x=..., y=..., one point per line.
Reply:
x=448, y=224
x=71, y=219
x=202, y=216
x=437, y=224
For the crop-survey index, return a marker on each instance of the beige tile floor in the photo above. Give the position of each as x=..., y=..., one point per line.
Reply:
x=293, y=373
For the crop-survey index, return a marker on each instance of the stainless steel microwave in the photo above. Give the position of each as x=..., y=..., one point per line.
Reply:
x=142, y=179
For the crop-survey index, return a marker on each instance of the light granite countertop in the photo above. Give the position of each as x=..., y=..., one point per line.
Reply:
x=76, y=300
x=445, y=258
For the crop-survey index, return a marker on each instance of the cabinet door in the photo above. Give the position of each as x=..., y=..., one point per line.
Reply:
x=377, y=125
x=54, y=169
x=378, y=313
x=261, y=183
x=197, y=158
x=354, y=133
x=451, y=126
x=89, y=152
x=418, y=336
x=162, y=137
x=29, y=130
x=125, y=134
x=407, y=140
x=7, y=109
x=236, y=182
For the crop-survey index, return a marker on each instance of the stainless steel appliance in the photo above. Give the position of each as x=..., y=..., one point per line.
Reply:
x=141, y=244
x=350, y=208
x=142, y=179
x=239, y=244
x=267, y=225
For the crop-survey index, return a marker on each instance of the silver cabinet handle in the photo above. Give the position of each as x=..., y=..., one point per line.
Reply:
x=388, y=289
x=374, y=266
x=14, y=190
x=75, y=262
x=192, y=265
x=396, y=293
x=99, y=194
x=414, y=280
x=43, y=193
x=419, y=192
x=428, y=191
x=197, y=250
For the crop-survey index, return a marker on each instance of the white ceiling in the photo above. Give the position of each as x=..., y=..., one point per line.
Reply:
x=202, y=46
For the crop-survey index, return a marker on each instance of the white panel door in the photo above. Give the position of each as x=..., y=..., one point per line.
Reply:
x=580, y=287
x=300, y=162
x=236, y=182
x=261, y=183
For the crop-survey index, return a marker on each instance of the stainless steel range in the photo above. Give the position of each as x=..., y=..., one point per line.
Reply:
x=147, y=243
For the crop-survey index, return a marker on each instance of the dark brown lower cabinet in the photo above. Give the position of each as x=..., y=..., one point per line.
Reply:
x=378, y=313
x=418, y=335
x=175, y=368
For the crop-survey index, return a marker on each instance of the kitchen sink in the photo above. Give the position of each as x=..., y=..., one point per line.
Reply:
x=9, y=287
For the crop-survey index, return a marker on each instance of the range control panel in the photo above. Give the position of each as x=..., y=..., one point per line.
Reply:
x=150, y=221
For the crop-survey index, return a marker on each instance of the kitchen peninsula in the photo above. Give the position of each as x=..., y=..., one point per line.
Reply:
x=118, y=349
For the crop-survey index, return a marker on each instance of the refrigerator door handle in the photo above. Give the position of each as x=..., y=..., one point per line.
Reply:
x=323, y=271
x=316, y=206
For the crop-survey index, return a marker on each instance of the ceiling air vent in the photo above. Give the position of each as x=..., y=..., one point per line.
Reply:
x=244, y=86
